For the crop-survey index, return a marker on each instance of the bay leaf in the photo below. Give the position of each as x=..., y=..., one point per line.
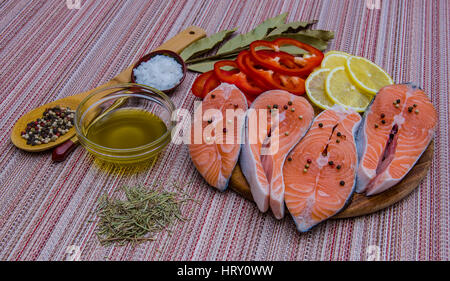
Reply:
x=292, y=27
x=325, y=35
x=261, y=31
x=205, y=66
x=226, y=55
x=293, y=50
x=205, y=44
x=308, y=39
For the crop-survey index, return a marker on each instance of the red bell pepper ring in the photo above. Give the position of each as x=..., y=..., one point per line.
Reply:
x=274, y=80
x=199, y=84
x=240, y=79
x=286, y=63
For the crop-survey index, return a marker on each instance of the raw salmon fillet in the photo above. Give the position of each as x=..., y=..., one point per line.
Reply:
x=328, y=153
x=266, y=147
x=215, y=149
x=389, y=149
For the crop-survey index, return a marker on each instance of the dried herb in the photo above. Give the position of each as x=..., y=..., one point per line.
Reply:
x=140, y=216
x=216, y=57
x=205, y=66
x=305, y=38
x=325, y=35
x=204, y=45
x=261, y=31
x=292, y=27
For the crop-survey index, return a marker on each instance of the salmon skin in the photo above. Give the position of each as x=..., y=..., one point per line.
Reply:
x=275, y=123
x=215, y=149
x=397, y=128
x=320, y=178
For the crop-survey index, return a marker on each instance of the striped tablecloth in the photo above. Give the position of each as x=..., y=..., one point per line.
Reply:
x=48, y=52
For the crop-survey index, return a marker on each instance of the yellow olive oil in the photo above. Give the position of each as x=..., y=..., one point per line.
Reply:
x=126, y=128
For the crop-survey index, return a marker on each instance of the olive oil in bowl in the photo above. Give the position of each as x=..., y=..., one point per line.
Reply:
x=127, y=128
x=125, y=123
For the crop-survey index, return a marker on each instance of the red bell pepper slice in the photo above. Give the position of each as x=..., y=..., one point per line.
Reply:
x=286, y=63
x=274, y=80
x=240, y=79
x=210, y=84
x=199, y=84
x=240, y=60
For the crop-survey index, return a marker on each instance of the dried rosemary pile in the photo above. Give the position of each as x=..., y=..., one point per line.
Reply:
x=139, y=217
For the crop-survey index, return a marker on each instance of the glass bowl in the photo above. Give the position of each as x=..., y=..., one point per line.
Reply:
x=109, y=99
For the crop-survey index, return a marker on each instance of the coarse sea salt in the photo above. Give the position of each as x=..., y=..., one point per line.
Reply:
x=160, y=72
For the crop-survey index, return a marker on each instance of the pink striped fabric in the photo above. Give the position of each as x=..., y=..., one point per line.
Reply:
x=49, y=51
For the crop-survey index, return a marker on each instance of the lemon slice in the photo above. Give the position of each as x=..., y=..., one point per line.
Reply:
x=341, y=90
x=336, y=52
x=368, y=76
x=334, y=60
x=315, y=88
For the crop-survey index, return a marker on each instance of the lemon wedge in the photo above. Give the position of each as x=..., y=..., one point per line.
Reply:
x=315, y=88
x=368, y=76
x=341, y=90
x=334, y=60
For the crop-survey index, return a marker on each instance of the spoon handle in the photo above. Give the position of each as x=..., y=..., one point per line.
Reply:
x=61, y=152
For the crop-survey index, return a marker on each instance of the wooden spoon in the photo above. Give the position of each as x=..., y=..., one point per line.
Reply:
x=175, y=44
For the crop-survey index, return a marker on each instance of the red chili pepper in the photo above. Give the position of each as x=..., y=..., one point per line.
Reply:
x=240, y=79
x=273, y=79
x=199, y=84
x=285, y=63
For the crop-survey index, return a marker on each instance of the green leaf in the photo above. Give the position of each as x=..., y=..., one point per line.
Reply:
x=243, y=40
x=325, y=35
x=292, y=27
x=310, y=40
x=205, y=44
x=205, y=66
x=293, y=50
x=230, y=55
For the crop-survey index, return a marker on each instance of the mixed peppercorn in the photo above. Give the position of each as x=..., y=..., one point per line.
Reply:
x=396, y=103
x=273, y=108
x=54, y=123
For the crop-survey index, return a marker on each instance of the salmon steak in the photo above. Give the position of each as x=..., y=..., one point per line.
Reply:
x=217, y=133
x=397, y=128
x=320, y=172
x=275, y=123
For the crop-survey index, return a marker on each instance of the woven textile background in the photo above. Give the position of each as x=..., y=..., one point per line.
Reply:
x=48, y=51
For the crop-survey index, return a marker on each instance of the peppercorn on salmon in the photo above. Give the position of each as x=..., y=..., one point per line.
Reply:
x=275, y=122
x=216, y=134
x=320, y=178
x=397, y=128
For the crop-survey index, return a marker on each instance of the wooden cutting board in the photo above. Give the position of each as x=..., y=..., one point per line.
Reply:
x=361, y=204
